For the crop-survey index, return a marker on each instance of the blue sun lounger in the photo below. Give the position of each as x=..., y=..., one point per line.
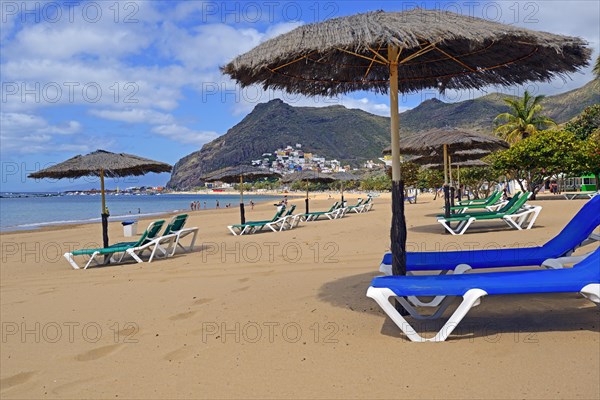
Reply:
x=584, y=278
x=579, y=231
x=553, y=254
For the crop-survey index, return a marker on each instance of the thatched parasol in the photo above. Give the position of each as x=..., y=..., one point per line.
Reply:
x=102, y=163
x=308, y=176
x=240, y=174
x=402, y=52
x=343, y=177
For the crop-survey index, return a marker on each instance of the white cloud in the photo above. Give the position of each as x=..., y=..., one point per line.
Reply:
x=26, y=134
x=184, y=134
x=135, y=116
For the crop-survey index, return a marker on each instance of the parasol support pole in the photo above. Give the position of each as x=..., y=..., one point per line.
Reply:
x=398, y=228
x=446, y=187
x=242, y=210
x=452, y=188
x=306, y=200
x=104, y=213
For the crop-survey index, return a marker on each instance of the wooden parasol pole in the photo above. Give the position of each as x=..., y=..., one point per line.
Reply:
x=242, y=211
x=446, y=187
x=104, y=213
x=306, y=200
x=398, y=229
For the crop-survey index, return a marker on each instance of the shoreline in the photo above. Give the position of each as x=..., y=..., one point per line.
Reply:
x=59, y=225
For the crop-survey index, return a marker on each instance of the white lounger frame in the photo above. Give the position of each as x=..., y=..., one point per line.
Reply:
x=470, y=299
x=516, y=220
x=134, y=252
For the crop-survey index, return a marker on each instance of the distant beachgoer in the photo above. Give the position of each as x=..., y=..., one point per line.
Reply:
x=251, y=205
x=192, y=205
x=217, y=203
x=285, y=200
x=139, y=211
x=204, y=204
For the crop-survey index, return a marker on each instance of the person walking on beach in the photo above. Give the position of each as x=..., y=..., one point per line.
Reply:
x=251, y=205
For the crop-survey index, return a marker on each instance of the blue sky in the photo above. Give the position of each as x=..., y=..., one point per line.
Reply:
x=143, y=77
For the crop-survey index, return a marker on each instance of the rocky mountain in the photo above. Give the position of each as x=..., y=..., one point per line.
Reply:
x=349, y=135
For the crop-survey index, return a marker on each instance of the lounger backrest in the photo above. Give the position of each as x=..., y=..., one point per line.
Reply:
x=291, y=210
x=494, y=198
x=578, y=229
x=334, y=206
x=510, y=203
x=176, y=224
x=359, y=202
x=519, y=203
x=279, y=213
x=151, y=232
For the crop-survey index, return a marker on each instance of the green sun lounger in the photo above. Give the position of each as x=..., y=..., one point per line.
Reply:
x=176, y=227
x=254, y=226
x=515, y=214
x=332, y=213
x=492, y=203
x=355, y=206
x=148, y=241
x=478, y=201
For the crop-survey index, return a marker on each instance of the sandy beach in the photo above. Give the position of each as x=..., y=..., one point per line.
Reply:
x=276, y=315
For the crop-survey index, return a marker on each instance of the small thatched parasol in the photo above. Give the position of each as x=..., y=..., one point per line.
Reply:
x=102, y=163
x=450, y=144
x=343, y=177
x=308, y=176
x=240, y=174
x=402, y=52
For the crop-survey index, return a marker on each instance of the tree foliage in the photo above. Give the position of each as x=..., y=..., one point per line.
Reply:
x=523, y=120
x=535, y=159
x=379, y=183
x=478, y=179
x=585, y=123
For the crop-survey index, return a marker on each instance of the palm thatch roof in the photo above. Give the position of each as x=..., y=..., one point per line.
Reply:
x=308, y=175
x=113, y=164
x=439, y=49
x=345, y=176
x=468, y=163
x=458, y=140
x=232, y=174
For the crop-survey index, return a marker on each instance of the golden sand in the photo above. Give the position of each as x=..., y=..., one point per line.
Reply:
x=276, y=315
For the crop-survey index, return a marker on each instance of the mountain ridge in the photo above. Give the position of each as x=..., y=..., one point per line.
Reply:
x=338, y=132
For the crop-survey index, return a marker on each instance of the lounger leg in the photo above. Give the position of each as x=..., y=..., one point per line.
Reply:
x=92, y=258
x=69, y=257
x=592, y=292
x=382, y=295
x=536, y=212
x=134, y=256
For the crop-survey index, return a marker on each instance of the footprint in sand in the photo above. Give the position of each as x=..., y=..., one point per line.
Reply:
x=202, y=301
x=8, y=382
x=242, y=280
x=241, y=289
x=178, y=354
x=98, y=353
x=183, y=315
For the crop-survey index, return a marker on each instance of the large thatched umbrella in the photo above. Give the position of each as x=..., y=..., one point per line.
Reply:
x=402, y=52
x=344, y=177
x=239, y=174
x=307, y=175
x=103, y=164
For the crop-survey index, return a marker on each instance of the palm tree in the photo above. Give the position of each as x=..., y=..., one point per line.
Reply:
x=523, y=120
x=596, y=69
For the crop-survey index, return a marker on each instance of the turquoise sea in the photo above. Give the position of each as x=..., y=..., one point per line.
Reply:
x=30, y=211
